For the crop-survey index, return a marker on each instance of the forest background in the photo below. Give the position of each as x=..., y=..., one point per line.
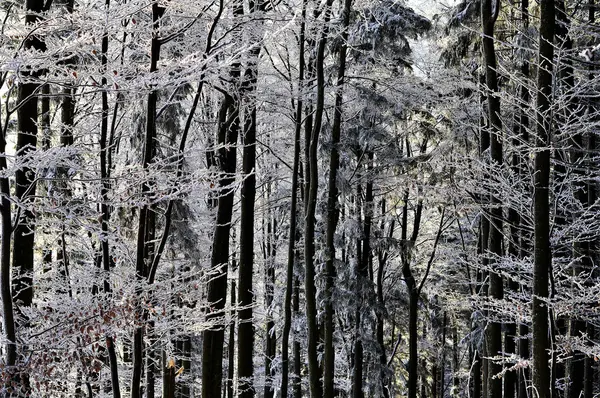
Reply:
x=288, y=198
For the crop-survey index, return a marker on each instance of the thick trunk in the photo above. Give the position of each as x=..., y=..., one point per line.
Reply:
x=213, y=338
x=542, y=254
x=27, y=115
x=246, y=268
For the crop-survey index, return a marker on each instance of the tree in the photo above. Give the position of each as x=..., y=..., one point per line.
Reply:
x=542, y=253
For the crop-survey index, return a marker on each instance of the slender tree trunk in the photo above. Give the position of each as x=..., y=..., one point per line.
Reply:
x=443, y=361
x=231, y=347
x=424, y=365
x=361, y=273
x=381, y=312
x=311, y=205
x=8, y=324
x=287, y=305
x=524, y=238
x=271, y=337
x=362, y=279
x=542, y=253
x=333, y=212
x=297, y=382
x=67, y=139
x=592, y=196
x=455, y=363
x=145, y=233
x=493, y=331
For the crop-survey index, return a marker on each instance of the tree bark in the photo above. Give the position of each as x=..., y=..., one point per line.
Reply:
x=311, y=205
x=287, y=305
x=67, y=139
x=493, y=336
x=542, y=254
x=27, y=122
x=246, y=268
x=213, y=338
x=333, y=212
x=145, y=233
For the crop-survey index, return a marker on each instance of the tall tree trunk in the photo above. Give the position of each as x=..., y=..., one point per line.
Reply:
x=362, y=278
x=8, y=318
x=297, y=383
x=383, y=256
x=493, y=332
x=145, y=233
x=271, y=337
x=333, y=212
x=524, y=237
x=231, y=347
x=287, y=305
x=311, y=205
x=25, y=187
x=541, y=209
x=593, y=245
x=455, y=363
x=213, y=338
x=67, y=139
x=245, y=283
x=27, y=115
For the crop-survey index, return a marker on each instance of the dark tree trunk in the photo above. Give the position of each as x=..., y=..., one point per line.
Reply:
x=287, y=305
x=524, y=237
x=542, y=254
x=311, y=205
x=271, y=337
x=213, y=338
x=23, y=235
x=424, y=366
x=245, y=296
x=145, y=233
x=381, y=312
x=455, y=363
x=493, y=336
x=592, y=245
x=333, y=213
x=67, y=139
x=169, y=370
x=443, y=355
x=8, y=324
x=297, y=383
x=362, y=277
x=231, y=347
